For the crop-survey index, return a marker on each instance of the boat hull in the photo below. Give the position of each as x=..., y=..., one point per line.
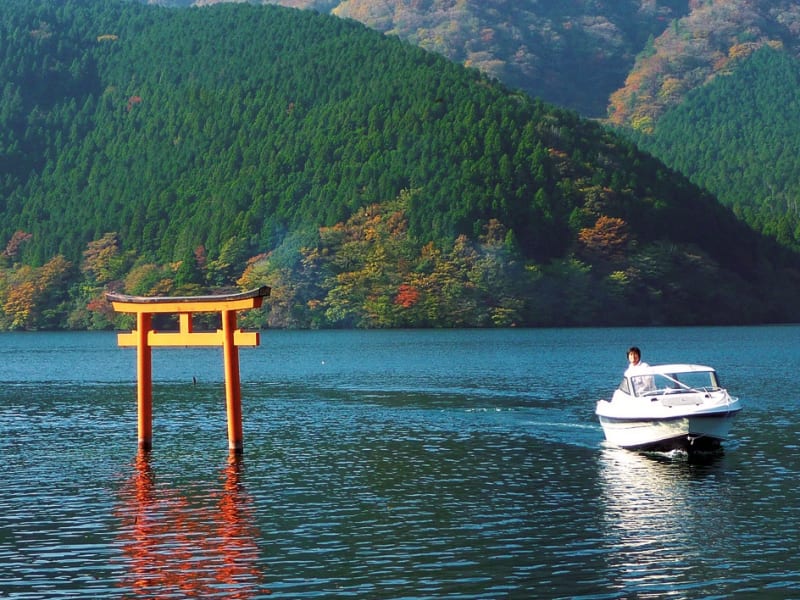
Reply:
x=699, y=432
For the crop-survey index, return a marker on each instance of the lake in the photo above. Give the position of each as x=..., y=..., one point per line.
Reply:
x=461, y=464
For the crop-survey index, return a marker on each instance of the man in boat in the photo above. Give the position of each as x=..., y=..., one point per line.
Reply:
x=635, y=360
x=641, y=384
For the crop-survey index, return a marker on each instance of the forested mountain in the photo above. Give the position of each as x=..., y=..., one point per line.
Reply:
x=573, y=54
x=370, y=183
x=630, y=59
x=627, y=62
x=739, y=137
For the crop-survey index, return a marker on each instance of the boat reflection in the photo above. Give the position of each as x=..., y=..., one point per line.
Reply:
x=652, y=507
x=175, y=546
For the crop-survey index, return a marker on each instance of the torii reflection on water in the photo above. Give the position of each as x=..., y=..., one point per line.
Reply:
x=192, y=549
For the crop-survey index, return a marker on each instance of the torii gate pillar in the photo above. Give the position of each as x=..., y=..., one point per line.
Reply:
x=229, y=337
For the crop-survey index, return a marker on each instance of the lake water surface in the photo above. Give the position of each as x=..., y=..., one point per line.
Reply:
x=391, y=464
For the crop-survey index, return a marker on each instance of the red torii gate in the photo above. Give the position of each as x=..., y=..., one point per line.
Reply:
x=229, y=337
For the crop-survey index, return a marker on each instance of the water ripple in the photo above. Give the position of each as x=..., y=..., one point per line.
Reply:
x=385, y=487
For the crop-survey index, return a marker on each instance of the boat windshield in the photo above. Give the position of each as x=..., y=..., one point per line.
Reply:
x=674, y=383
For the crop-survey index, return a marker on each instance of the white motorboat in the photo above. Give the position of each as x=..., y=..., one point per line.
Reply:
x=668, y=407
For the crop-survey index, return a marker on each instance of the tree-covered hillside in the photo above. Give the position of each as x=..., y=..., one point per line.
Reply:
x=370, y=183
x=581, y=55
x=572, y=54
x=739, y=137
x=196, y=126
x=689, y=54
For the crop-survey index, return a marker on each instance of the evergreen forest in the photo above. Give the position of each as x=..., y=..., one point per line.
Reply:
x=739, y=137
x=369, y=183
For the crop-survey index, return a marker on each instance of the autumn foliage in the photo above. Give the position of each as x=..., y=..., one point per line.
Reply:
x=29, y=293
x=606, y=242
x=709, y=41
